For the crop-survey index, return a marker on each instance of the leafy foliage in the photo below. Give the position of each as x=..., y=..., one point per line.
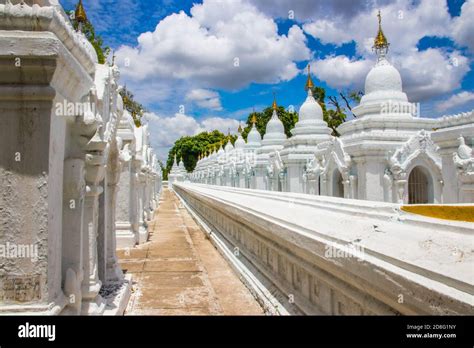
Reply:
x=189, y=148
x=338, y=114
x=289, y=119
x=133, y=107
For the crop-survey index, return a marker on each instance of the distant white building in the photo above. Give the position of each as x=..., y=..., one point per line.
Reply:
x=387, y=153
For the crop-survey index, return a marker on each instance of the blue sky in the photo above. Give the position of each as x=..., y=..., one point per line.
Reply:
x=180, y=55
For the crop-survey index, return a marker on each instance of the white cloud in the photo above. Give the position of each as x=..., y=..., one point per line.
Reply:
x=165, y=131
x=455, y=100
x=223, y=125
x=328, y=32
x=421, y=80
x=222, y=44
x=340, y=21
x=205, y=98
x=305, y=10
x=341, y=72
x=463, y=28
x=426, y=74
x=431, y=73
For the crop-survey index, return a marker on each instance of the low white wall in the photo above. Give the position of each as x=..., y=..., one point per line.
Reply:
x=342, y=256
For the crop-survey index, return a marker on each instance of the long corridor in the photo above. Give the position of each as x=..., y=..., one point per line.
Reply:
x=179, y=272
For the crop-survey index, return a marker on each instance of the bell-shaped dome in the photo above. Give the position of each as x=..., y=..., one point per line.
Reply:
x=383, y=77
x=310, y=110
x=213, y=156
x=240, y=142
x=229, y=147
x=275, y=129
x=221, y=151
x=175, y=164
x=254, y=138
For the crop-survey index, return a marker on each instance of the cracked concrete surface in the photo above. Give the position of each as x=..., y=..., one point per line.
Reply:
x=179, y=272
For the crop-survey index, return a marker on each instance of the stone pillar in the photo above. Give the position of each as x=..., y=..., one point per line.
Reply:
x=241, y=179
x=113, y=272
x=72, y=255
x=92, y=302
x=259, y=178
x=134, y=199
x=149, y=196
x=370, y=178
x=295, y=178
x=126, y=235
x=142, y=226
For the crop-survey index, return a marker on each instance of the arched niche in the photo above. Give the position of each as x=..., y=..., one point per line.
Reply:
x=420, y=186
x=337, y=184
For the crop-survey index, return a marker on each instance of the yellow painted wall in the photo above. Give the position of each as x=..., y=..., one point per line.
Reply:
x=445, y=212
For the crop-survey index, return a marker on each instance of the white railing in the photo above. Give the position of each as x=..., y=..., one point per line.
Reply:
x=339, y=256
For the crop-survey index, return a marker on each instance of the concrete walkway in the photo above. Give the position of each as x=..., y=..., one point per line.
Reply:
x=179, y=272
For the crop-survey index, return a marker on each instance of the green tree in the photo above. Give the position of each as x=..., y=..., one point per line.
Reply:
x=338, y=115
x=189, y=148
x=334, y=118
x=288, y=118
x=132, y=106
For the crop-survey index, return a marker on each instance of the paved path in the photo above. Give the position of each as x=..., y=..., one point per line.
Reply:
x=179, y=272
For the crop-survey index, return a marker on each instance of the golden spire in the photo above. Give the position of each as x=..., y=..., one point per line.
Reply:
x=80, y=14
x=309, y=81
x=254, y=119
x=380, y=42
x=275, y=105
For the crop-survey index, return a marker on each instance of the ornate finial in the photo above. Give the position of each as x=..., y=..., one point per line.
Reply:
x=254, y=119
x=380, y=43
x=275, y=105
x=80, y=14
x=309, y=81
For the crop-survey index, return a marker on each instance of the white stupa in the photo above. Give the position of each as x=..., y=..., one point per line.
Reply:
x=275, y=133
x=182, y=168
x=229, y=147
x=240, y=142
x=309, y=131
x=254, y=138
x=272, y=142
x=176, y=174
x=383, y=85
x=221, y=156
